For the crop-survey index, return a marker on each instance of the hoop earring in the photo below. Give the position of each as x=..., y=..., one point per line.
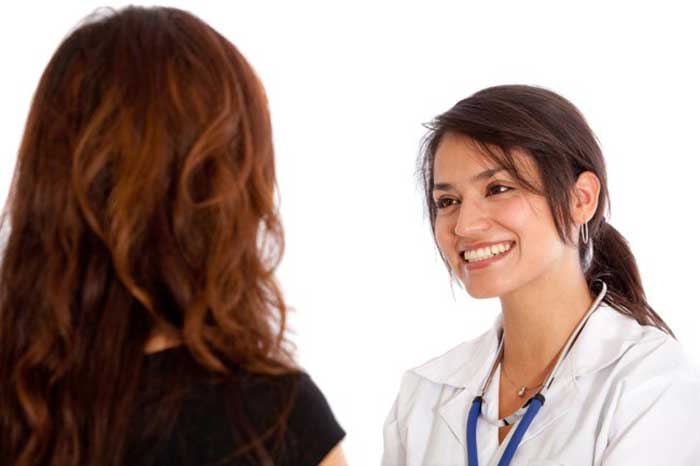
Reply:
x=584, y=233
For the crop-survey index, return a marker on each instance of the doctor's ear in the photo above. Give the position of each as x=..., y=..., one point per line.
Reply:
x=586, y=192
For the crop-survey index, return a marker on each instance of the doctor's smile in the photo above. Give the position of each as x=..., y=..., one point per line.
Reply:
x=481, y=256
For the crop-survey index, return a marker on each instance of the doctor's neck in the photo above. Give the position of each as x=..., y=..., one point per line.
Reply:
x=538, y=319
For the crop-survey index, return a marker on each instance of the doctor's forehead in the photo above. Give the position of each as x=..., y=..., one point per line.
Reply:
x=460, y=160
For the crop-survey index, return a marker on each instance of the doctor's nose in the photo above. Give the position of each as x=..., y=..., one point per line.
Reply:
x=471, y=222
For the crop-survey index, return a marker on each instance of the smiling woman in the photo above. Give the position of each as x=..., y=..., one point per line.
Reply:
x=578, y=368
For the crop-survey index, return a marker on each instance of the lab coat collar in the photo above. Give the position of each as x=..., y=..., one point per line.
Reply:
x=463, y=366
x=604, y=339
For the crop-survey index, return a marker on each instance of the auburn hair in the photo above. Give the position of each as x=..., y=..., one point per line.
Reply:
x=143, y=198
x=553, y=133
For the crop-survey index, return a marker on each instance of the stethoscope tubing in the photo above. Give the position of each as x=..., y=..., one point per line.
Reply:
x=535, y=403
x=533, y=407
x=474, y=411
x=512, y=419
x=529, y=410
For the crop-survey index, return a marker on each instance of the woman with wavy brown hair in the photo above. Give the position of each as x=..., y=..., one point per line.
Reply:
x=140, y=320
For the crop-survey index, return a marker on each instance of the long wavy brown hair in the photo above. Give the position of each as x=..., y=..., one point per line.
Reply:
x=143, y=198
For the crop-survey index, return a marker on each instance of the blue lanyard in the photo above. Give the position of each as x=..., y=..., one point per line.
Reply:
x=534, y=404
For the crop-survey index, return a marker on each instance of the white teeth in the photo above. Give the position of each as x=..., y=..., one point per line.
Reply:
x=485, y=253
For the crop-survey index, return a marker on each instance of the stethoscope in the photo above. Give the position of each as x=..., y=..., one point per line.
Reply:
x=530, y=409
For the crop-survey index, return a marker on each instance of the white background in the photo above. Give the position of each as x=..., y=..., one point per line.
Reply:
x=350, y=84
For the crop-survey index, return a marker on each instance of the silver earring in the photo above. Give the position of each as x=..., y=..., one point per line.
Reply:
x=584, y=233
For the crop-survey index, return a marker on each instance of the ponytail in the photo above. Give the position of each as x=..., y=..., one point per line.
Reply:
x=556, y=137
x=612, y=261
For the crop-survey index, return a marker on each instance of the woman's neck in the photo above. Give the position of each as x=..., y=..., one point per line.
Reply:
x=538, y=320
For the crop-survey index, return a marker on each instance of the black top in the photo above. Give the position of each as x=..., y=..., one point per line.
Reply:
x=215, y=416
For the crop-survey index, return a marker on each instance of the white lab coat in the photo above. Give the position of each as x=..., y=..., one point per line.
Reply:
x=626, y=395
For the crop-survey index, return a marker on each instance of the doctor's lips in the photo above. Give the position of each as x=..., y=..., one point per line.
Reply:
x=483, y=252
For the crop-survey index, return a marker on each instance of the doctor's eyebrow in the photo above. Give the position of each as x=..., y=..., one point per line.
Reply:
x=485, y=175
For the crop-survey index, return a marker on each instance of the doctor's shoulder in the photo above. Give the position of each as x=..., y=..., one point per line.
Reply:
x=427, y=386
x=650, y=356
x=653, y=396
x=425, y=391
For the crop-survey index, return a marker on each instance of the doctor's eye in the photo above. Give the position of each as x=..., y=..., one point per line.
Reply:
x=444, y=202
x=498, y=189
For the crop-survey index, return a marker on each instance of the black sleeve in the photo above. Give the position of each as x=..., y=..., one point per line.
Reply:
x=312, y=428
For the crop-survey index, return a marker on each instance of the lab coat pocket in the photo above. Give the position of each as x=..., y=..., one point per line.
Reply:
x=543, y=463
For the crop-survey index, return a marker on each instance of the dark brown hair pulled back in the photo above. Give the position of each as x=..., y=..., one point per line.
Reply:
x=552, y=131
x=143, y=197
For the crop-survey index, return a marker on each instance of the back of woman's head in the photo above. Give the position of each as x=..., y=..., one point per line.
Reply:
x=554, y=134
x=143, y=198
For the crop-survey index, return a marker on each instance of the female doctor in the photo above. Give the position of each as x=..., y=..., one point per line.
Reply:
x=578, y=368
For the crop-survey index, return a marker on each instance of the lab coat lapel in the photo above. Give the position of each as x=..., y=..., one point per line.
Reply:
x=454, y=413
x=463, y=370
x=608, y=335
